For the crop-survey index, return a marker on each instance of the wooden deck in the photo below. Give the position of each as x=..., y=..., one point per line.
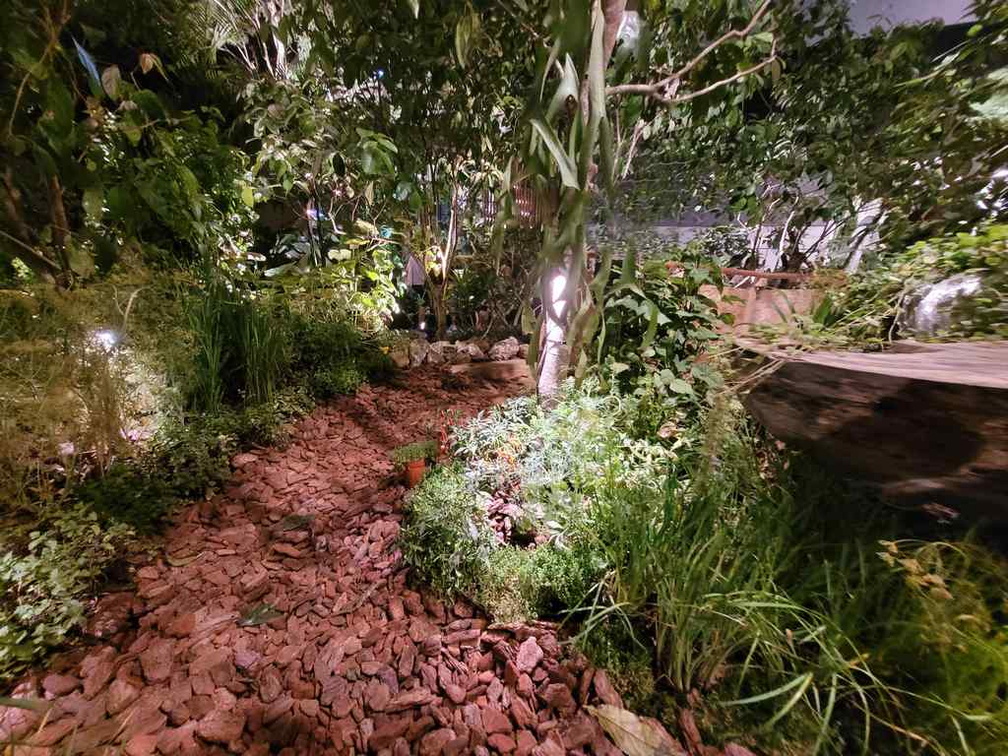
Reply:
x=925, y=422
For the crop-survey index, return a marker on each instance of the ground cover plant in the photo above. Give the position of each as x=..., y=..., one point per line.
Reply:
x=711, y=571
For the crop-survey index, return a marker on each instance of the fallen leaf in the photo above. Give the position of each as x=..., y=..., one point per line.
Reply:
x=635, y=736
x=259, y=614
x=182, y=561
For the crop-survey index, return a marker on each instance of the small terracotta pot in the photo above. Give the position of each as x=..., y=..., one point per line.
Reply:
x=415, y=471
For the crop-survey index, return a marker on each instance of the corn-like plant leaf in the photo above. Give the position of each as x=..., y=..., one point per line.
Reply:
x=567, y=88
x=568, y=172
x=635, y=736
x=30, y=704
x=466, y=31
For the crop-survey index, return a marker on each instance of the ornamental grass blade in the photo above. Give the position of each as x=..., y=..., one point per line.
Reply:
x=635, y=736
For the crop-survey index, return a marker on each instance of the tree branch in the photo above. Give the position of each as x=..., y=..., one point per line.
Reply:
x=664, y=89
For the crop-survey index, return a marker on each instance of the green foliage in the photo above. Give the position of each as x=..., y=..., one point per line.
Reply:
x=521, y=584
x=130, y=495
x=709, y=565
x=425, y=450
x=45, y=581
x=656, y=321
x=867, y=308
x=98, y=163
x=737, y=573
x=446, y=537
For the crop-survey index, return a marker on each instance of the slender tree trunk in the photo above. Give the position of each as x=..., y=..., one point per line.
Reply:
x=555, y=359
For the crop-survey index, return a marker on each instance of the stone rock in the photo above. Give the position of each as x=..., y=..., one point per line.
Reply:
x=505, y=349
x=558, y=696
x=409, y=699
x=221, y=726
x=525, y=742
x=418, y=350
x=111, y=615
x=435, y=356
x=121, y=693
x=433, y=743
x=156, y=660
x=734, y=749
x=580, y=732
x=456, y=693
x=400, y=355
x=495, y=721
x=141, y=745
x=377, y=695
x=182, y=625
x=529, y=655
x=472, y=350
x=522, y=713
x=243, y=459
x=502, y=743
x=97, y=669
x=60, y=685
x=932, y=309
x=604, y=689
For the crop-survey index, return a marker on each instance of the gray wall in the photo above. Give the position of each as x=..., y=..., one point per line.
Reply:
x=866, y=14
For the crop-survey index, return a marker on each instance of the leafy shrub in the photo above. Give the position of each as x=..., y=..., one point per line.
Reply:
x=656, y=322
x=521, y=584
x=446, y=536
x=336, y=380
x=736, y=570
x=426, y=450
x=45, y=582
x=865, y=310
x=130, y=495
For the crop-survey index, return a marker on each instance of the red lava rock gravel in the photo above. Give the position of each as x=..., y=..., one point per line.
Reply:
x=351, y=661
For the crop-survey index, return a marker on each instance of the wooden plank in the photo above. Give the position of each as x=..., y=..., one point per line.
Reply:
x=927, y=424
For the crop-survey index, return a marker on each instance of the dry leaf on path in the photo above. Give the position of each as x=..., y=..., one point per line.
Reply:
x=635, y=736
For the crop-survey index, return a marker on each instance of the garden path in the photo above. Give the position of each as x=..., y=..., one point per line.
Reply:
x=352, y=661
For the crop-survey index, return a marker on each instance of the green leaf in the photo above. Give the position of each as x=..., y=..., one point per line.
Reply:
x=259, y=614
x=466, y=32
x=79, y=259
x=93, y=201
x=414, y=6
x=568, y=171
x=248, y=195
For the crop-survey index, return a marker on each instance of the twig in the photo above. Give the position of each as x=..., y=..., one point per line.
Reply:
x=660, y=89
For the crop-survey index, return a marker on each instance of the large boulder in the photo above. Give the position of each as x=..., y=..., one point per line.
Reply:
x=472, y=350
x=507, y=349
x=435, y=354
x=936, y=309
x=447, y=350
x=400, y=355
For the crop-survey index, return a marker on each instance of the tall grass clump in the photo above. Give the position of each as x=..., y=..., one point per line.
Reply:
x=754, y=596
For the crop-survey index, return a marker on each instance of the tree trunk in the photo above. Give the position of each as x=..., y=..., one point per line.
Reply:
x=556, y=356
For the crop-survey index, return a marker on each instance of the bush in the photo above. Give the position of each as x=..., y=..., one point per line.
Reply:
x=522, y=584
x=45, y=582
x=446, y=537
x=333, y=381
x=130, y=495
x=715, y=568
